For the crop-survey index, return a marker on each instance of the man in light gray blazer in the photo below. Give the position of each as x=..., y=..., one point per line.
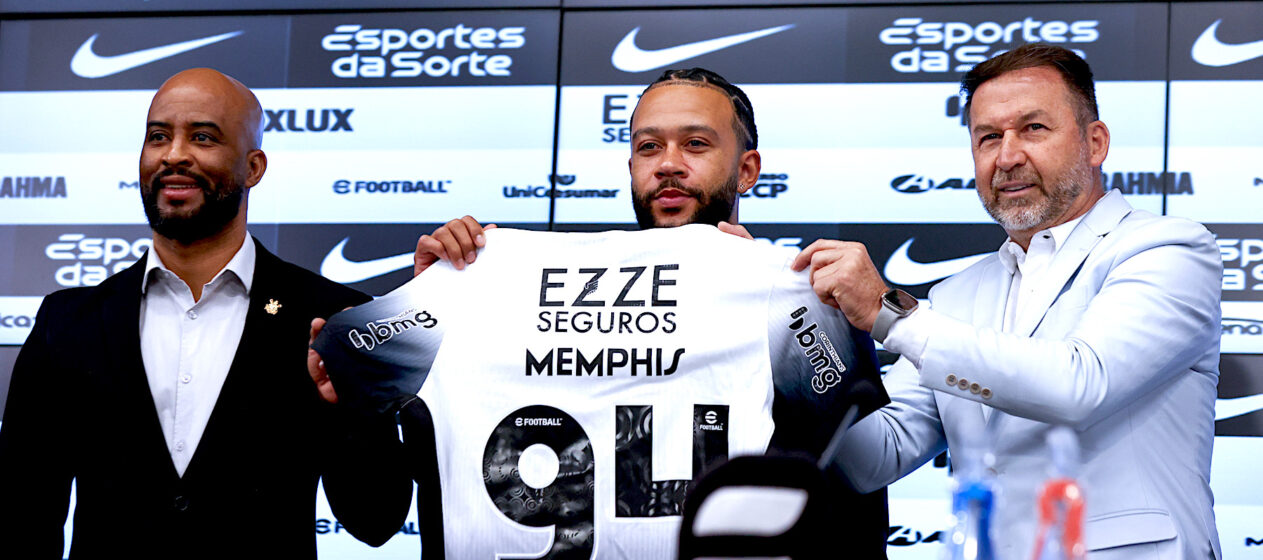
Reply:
x=1092, y=315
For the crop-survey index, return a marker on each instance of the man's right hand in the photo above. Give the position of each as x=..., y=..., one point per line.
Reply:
x=456, y=242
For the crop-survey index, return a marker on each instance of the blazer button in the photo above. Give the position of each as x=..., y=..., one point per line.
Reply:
x=181, y=503
x=975, y=388
x=951, y=380
x=962, y=384
x=986, y=393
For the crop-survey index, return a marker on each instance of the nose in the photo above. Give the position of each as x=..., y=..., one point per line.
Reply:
x=176, y=154
x=1011, y=152
x=671, y=163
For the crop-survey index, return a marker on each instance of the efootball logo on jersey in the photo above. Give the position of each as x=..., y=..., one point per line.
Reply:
x=382, y=330
x=818, y=350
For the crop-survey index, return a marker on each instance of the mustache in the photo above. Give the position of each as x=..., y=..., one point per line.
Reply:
x=198, y=179
x=1024, y=175
x=674, y=183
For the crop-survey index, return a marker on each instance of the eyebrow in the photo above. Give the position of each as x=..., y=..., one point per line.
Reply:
x=1024, y=118
x=197, y=124
x=687, y=129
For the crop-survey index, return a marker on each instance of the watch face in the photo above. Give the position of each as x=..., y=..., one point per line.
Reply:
x=902, y=300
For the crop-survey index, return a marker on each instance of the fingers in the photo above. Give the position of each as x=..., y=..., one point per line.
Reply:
x=429, y=251
x=316, y=366
x=805, y=257
x=456, y=242
x=734, y=229
x=844, y=276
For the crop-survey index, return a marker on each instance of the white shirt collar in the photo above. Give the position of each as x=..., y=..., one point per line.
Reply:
x=241, y=265
x=1011, y=253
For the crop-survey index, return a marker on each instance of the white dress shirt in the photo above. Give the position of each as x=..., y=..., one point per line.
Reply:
x=187, y=346
x=909, y=335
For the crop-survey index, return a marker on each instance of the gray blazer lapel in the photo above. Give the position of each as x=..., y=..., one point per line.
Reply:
x=1098, y=222
x=992, y=294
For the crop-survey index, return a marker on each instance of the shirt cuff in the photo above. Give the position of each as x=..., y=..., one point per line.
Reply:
x=909, y=335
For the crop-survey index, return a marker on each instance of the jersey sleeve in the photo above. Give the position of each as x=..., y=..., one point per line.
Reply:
x=821, y=367
x=379, y=354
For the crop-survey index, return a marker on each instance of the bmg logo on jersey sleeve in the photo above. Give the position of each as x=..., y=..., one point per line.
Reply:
x=818, y=350
x=382, y=330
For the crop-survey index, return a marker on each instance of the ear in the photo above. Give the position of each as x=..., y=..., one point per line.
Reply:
x=748, y=166
x=258, y=162
x=1098, y=142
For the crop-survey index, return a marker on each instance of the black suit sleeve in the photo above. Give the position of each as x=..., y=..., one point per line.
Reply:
x=365, y=475
x=35, y=470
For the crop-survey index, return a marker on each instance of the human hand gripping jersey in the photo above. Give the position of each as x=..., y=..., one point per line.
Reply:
x=571, y=385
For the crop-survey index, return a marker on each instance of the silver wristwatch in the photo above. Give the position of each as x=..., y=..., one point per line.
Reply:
x=895, y=304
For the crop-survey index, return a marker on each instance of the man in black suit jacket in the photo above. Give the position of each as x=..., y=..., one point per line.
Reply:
x=83, y=405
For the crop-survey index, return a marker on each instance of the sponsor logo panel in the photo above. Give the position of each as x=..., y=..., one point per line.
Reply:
x=50, y=188
x=940, y=43
x=1242, y=331
x=424, y=49
x=1209, y=114
x=1239, y=409
x=1241, y=247
x=17, y=316
x=334, y=541
x=367, y=120
x=1234, y=480
x=1210, y=137
x=401, y=187
x=117, y=117
x=358, y=120
x=65, y=6
x=745, y=45
x=49, y=258
x=135, y=53
x=602, y=170
x=1216, y=41
x=373, y=258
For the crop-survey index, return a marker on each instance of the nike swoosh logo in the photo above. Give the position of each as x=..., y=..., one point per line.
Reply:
x=1231, y=408
x=87, y=64
x=1208, y=50
x=336, y=267
x=630, y=58
x=901, y=269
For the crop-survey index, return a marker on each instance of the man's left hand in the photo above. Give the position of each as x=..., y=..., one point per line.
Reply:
x=844, y=277
x=316, y=366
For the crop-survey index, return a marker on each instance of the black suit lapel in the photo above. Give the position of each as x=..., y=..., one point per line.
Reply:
x=254, y=357
x=120, y=320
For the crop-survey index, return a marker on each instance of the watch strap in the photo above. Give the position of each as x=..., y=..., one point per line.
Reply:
x=881, y=326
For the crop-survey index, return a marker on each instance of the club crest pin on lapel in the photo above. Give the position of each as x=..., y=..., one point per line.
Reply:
x=272, y=307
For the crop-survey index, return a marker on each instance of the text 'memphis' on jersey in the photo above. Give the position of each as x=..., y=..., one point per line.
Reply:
x=577, y=382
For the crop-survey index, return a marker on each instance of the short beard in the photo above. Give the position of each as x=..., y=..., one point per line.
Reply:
x=1015, y=216
x=712, y=207
x=220, y=207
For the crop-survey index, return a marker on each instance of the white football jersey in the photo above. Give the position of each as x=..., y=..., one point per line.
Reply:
x=572, y=385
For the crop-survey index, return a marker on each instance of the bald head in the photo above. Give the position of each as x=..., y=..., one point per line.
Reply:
x=219, y=93
x=201, y=156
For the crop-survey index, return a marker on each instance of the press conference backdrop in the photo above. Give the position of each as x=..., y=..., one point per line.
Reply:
x=386, y=118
